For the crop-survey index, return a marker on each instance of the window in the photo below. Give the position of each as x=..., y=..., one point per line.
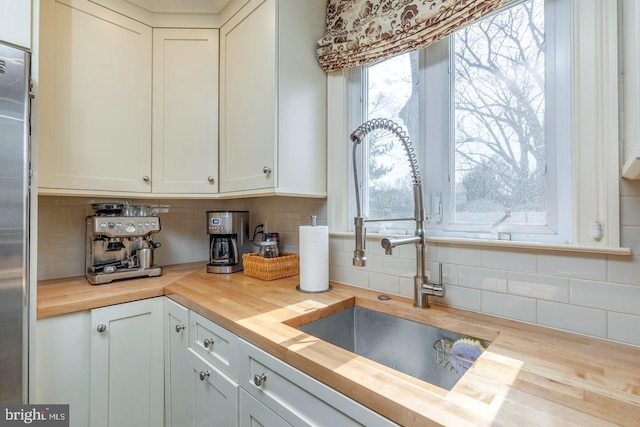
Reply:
x=490, y=127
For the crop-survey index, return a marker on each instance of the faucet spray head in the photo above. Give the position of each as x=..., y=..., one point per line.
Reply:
x=359, y=256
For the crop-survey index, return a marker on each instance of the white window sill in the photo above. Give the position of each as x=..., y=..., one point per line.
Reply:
x=554, y=247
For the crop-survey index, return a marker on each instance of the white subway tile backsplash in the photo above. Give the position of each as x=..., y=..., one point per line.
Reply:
x=512, y=259
x=384, y=283
x=399, y=266
x=335, y=274
x=335, y=244
x=356, y=277
x=582, y=266
x=406, y=287
x=465, y=298
x=572, y=318
x=630, y=238
x=623, y=269
x=66, y=269
x=402, y=251
x=340, y=259
x=483, y=279
x=606, y=296
x=459, y=255
x=538, y=286
x=510, y=306
x=449, y=274
x=375, y=263
x=591, y=294
x=51, y=256
x=624, y=328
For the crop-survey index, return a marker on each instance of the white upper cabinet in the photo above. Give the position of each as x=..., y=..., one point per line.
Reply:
x=185, y=111
x=94, y=99
x=273, y=100
x=15, y=22
x=631, y=98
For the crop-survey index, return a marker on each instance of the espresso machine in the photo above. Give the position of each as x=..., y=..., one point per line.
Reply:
x=120, y=245
x=228, y=240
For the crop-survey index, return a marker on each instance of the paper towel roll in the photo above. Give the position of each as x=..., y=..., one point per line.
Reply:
x=314, y=258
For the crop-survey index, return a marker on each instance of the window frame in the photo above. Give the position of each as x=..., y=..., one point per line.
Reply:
x=593, y=61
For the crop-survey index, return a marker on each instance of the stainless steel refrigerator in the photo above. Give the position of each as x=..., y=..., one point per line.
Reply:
x=14, y=224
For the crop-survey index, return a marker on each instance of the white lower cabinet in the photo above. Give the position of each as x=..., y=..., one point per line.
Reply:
x=176, y=342
x=106, y=364
x=63, y=363
x=201, y=362
x=253, y=413
x=296, y=397
x=127, y=381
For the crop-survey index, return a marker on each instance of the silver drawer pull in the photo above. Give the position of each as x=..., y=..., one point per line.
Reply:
x=208, y=342
x=101, y=328
x=204, y=375
x=259, y=379
x=180, y=328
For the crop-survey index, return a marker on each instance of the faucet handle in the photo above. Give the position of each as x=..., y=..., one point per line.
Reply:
x=435, y=288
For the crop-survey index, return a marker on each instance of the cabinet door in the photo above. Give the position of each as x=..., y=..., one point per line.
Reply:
x=15, y=22
x=185, y=111
x=253, y=413
x=62, y=364
x=127, y=382
x=176, y=343
x=215, y=396
x=94, y=116
x=248, y=101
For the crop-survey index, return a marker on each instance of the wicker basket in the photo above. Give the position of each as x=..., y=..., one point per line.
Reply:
x=270, y=268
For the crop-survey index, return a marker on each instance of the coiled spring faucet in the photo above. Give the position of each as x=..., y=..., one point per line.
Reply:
x=421, y=286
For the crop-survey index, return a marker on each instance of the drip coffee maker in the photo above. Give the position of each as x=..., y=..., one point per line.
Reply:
x=228, y=240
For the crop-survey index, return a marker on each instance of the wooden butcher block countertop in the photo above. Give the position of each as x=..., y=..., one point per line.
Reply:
x=529, y=375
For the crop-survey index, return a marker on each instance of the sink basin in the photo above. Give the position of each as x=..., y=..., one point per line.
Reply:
x=434, y=355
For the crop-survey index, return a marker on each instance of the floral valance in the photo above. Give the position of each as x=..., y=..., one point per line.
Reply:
x=363, y=31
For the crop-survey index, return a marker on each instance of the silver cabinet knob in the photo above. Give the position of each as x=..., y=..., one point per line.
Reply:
x=101, y=328
x=258, y=380
x=211, y=180
x=266, y=170
x=179, y=328
x=204, y=375
x=146, y=178
x=208, y=342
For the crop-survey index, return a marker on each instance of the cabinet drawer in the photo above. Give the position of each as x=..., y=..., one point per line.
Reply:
x=214, y=396
x=296, y=397
x=254, y=413
x=215, y=344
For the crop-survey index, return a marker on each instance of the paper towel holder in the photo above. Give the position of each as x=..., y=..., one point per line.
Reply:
x=314, y=223
x=314, y=292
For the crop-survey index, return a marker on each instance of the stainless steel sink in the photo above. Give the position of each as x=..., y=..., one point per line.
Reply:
x=416, y=349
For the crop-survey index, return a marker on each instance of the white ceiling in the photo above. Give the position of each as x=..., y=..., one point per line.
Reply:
x=181, y=6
